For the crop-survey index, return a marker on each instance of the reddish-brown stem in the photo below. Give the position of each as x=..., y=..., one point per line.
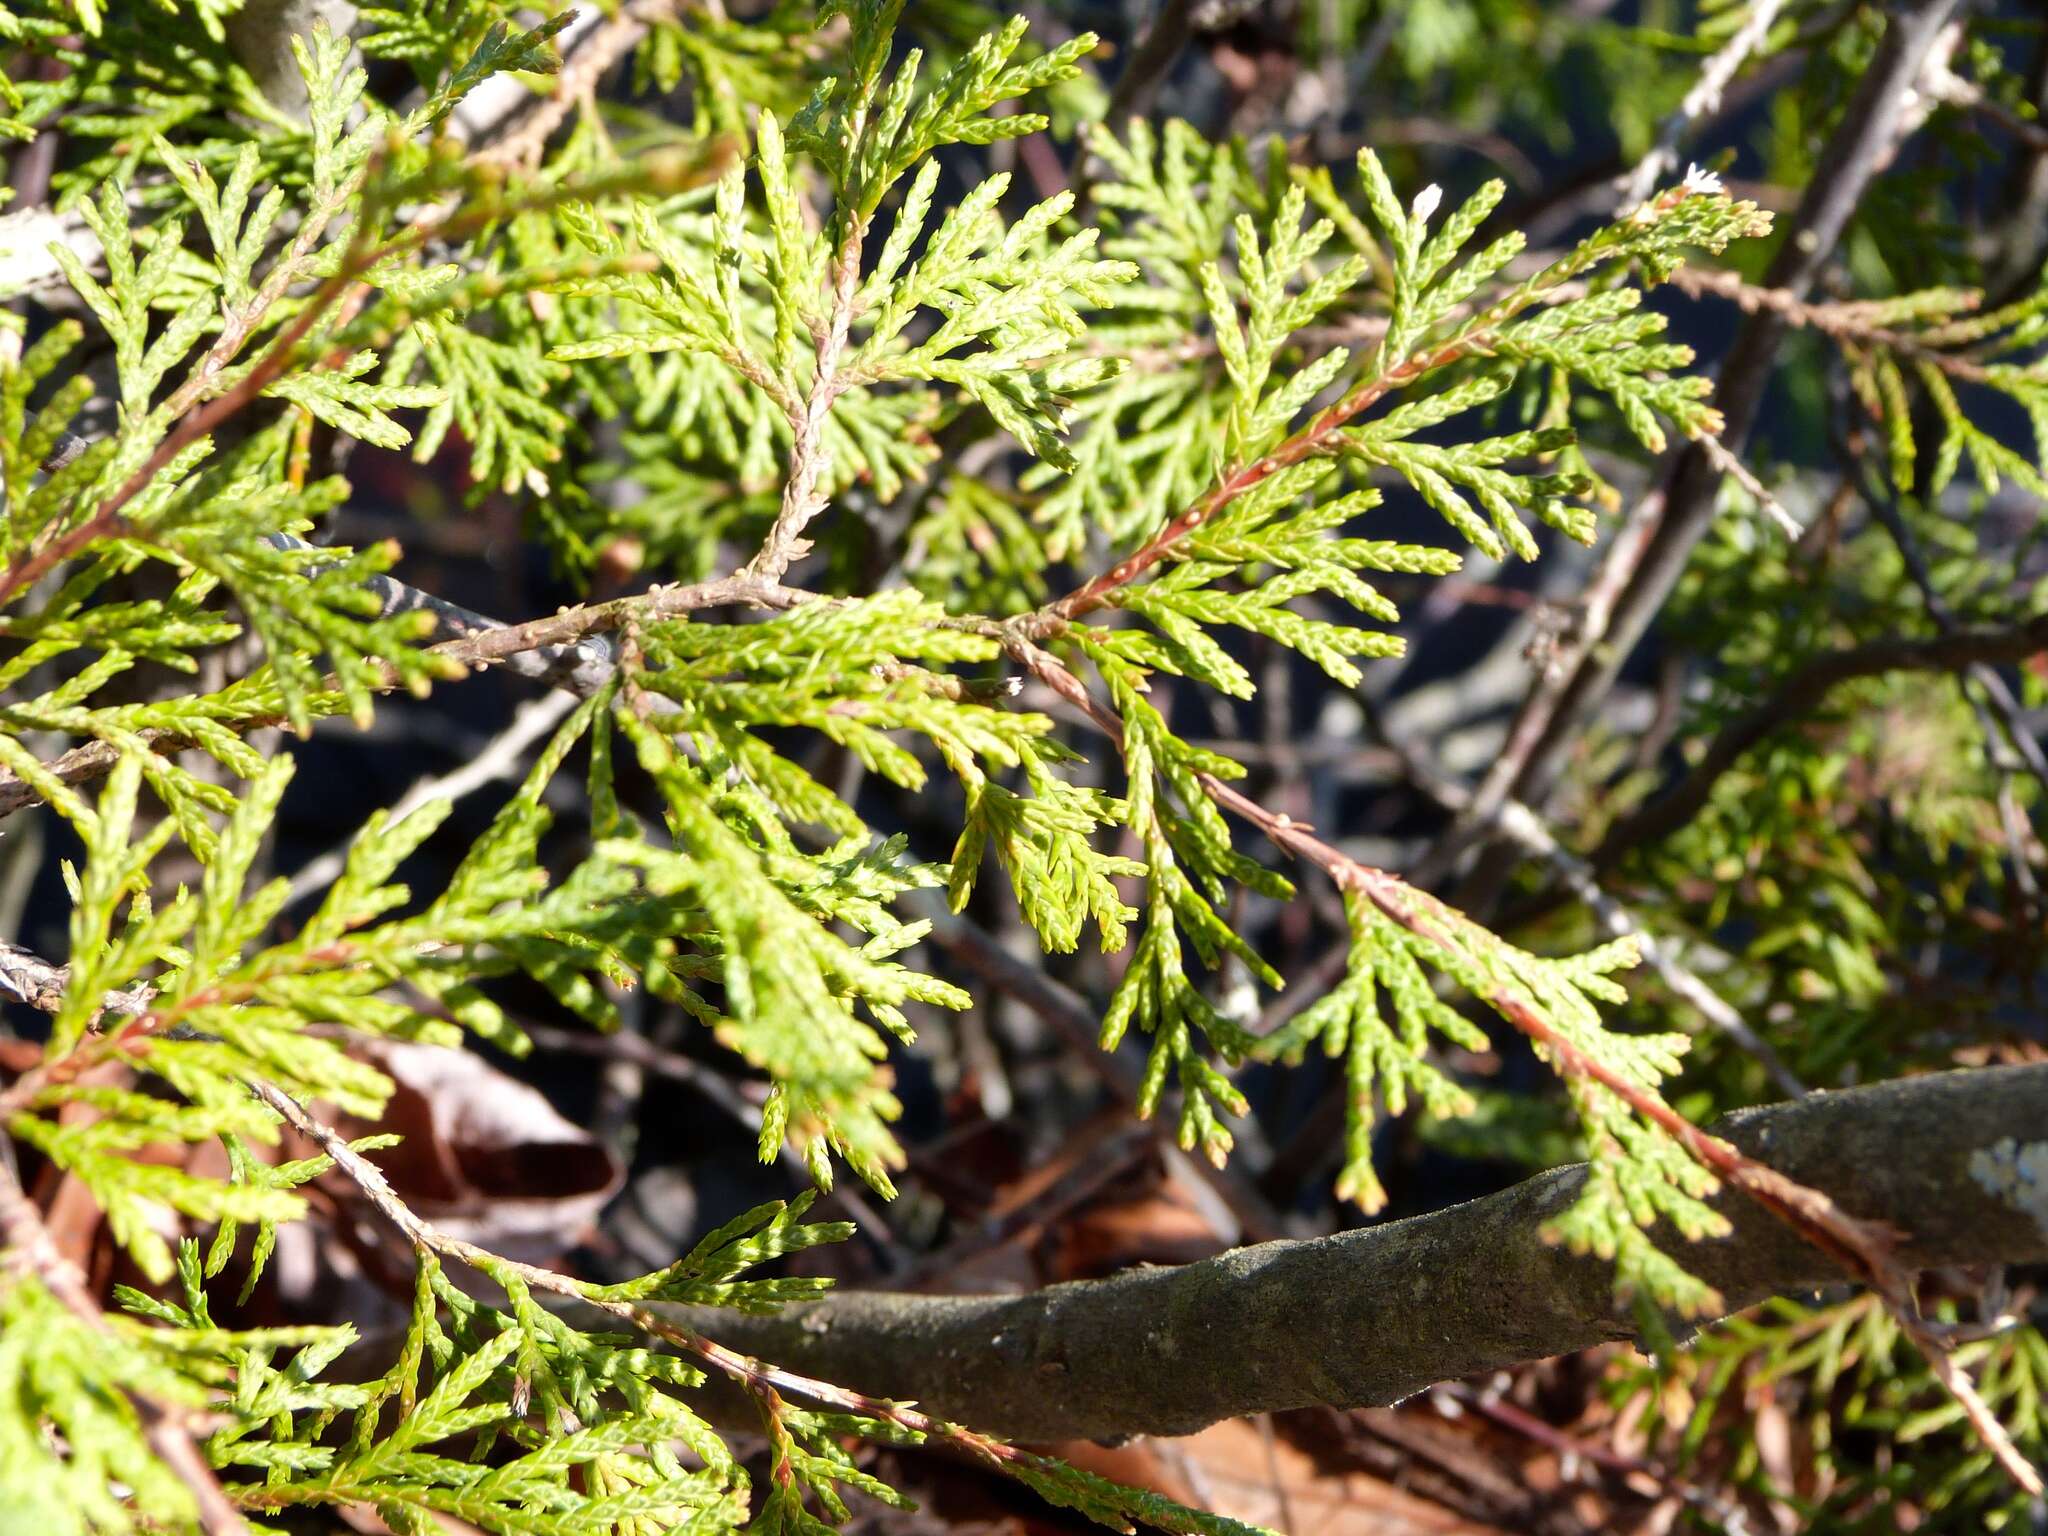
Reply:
x=1313, y=439
x=1862, y=1247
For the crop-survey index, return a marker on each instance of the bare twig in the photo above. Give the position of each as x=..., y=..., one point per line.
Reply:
x=1859, y=322
x=33, y=980
x=1956, y=1381
x=1651, y=549
x=1492, y=1402
x=502, y=642
x=1703, y=100
x=595, y=51
x=1951, y=89
x=1731, y=466
x=499, y=759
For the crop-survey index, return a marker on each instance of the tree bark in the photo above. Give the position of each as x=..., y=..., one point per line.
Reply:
x=261, y=35
x=1371, y=1316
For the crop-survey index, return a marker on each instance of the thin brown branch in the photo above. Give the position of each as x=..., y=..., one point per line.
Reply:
x=1310, y=441
x=33, y=980
x=1957, y=1383
x=1856, y=321
x=550, y=650
x=1953, y=90
x=500, y=758
x=572, y=624
x=1796, y=698
x=1718, y=455
x=1861, y=1247
x=1492, y=1403
x=1529, y=832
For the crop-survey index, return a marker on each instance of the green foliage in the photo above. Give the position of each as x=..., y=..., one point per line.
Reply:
x=61, y=1375
x=588, y=1426
x=1948, y=344
x=1383, y=1057
x=1265, y=535
x=1854, y=1382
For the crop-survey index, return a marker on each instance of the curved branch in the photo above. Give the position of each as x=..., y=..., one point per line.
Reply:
x=565, y=650
x=1371, y=1316
x=1798, y=696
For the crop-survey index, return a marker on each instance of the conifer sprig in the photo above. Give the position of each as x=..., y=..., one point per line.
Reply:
x=1587, y=335
x=1262, y=540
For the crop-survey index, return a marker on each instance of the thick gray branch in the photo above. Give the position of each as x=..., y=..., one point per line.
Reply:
x=261, y=35
x=1371, y=1316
